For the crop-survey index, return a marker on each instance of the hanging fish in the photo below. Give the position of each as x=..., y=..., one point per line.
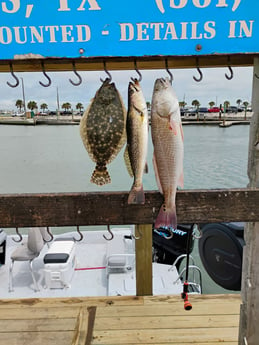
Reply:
x=137, y=141
x=102, y=129
x=167, y=137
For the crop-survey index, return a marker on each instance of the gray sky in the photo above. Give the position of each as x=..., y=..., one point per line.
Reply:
x=214, y=86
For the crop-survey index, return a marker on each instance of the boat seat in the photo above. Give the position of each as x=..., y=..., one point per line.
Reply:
x=27, y=252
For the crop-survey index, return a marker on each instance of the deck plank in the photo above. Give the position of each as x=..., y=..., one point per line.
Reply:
x=158, y=320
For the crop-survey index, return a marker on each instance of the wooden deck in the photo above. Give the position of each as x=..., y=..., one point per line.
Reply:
x=158, y=320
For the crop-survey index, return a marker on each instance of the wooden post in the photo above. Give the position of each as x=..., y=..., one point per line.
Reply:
x=249, y=314
x=144, y=260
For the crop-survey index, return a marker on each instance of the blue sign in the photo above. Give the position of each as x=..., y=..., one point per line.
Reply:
x=119, y=28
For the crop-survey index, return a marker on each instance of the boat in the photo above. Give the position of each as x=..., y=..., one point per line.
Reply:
x=96, y=263
x=225, y=123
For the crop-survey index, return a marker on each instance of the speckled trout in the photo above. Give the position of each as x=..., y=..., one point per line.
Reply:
x=137, y=141
x=167, y=137
x=103, y=129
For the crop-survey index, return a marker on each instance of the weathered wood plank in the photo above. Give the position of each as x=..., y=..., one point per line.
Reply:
x=126, y=63
x=69, y=209
x=205, y=343
x=122, y=322
x=37, y=338
x=160, y=310
x=249, y=318
x=70, y=302
x=52, y=313
x=144, y=260
x=175, y=336
x=37, y=325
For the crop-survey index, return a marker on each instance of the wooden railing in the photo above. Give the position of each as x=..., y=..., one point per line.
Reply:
x=97, y=208
x=111, y=208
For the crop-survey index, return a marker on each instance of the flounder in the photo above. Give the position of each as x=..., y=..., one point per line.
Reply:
x=103, y=129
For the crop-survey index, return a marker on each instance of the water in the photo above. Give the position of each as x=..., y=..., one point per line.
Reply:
x=45, y=159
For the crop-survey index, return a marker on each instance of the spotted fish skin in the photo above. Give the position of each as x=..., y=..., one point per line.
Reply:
x=137, y=141
x=103, y=129
x=167, y=137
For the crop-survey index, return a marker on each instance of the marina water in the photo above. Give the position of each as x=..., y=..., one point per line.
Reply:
x=42, y=159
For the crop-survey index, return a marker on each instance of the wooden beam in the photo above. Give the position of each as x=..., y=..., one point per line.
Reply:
x=127, y=63
x=249, y=316
x=70, y=209
x=144, y=260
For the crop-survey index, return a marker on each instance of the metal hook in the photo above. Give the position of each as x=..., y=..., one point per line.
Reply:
x=45, y=74
x=50, y=234
x=170, y=236
x=110, y=232
x=80, y=234
x=78, y=76
x=195, y=229
x=167, y=69
x=256, y=75
x=107, y=72
x=20, y=236
x=200, y=73
x=136, y=69
x=139, y=235
x=231, y=73
x=14, y=76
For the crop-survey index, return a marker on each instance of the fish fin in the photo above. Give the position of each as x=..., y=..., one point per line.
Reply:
x=156, y=175
x=180, y=181
x=166, y=217
x=100, y=176
x=181, y=130
x=136, y=195
x=127, y=161
x=146, y=168
x=173, y=125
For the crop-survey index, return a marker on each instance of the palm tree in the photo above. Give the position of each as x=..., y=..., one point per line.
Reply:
x=211, y=104
x=245, y=104
x=79, y=106
x=238, y=102
x=43, y=106
x=66, y=106
x=196, y=103
x=182, y=104
x=32, y=105
x=226, y=105
x=19, y=104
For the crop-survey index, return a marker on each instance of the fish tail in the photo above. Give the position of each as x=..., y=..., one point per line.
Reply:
x=166, y=217
x=136, y=195
x=100, y=176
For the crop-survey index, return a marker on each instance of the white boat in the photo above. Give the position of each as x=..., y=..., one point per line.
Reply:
x=92, y=267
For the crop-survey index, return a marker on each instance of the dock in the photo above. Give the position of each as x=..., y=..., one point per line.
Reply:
x=214, y=319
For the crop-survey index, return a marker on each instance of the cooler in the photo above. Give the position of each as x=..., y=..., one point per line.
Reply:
x=59, y=264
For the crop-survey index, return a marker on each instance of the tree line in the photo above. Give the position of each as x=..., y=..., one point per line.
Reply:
x=32, y=105
x=226, y=104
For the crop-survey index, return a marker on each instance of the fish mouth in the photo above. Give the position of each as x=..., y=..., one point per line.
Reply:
x=133, y=86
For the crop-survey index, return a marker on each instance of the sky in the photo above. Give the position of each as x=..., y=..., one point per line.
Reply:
x=213, y=87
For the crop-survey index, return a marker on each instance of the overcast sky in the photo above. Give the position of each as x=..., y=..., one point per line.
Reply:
x=213, y=87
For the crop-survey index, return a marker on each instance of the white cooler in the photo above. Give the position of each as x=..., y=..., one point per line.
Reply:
x=59, y=264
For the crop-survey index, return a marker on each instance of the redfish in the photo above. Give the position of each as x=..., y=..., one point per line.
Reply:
x=102, y=129
x=137, y=141
x=167, y=137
